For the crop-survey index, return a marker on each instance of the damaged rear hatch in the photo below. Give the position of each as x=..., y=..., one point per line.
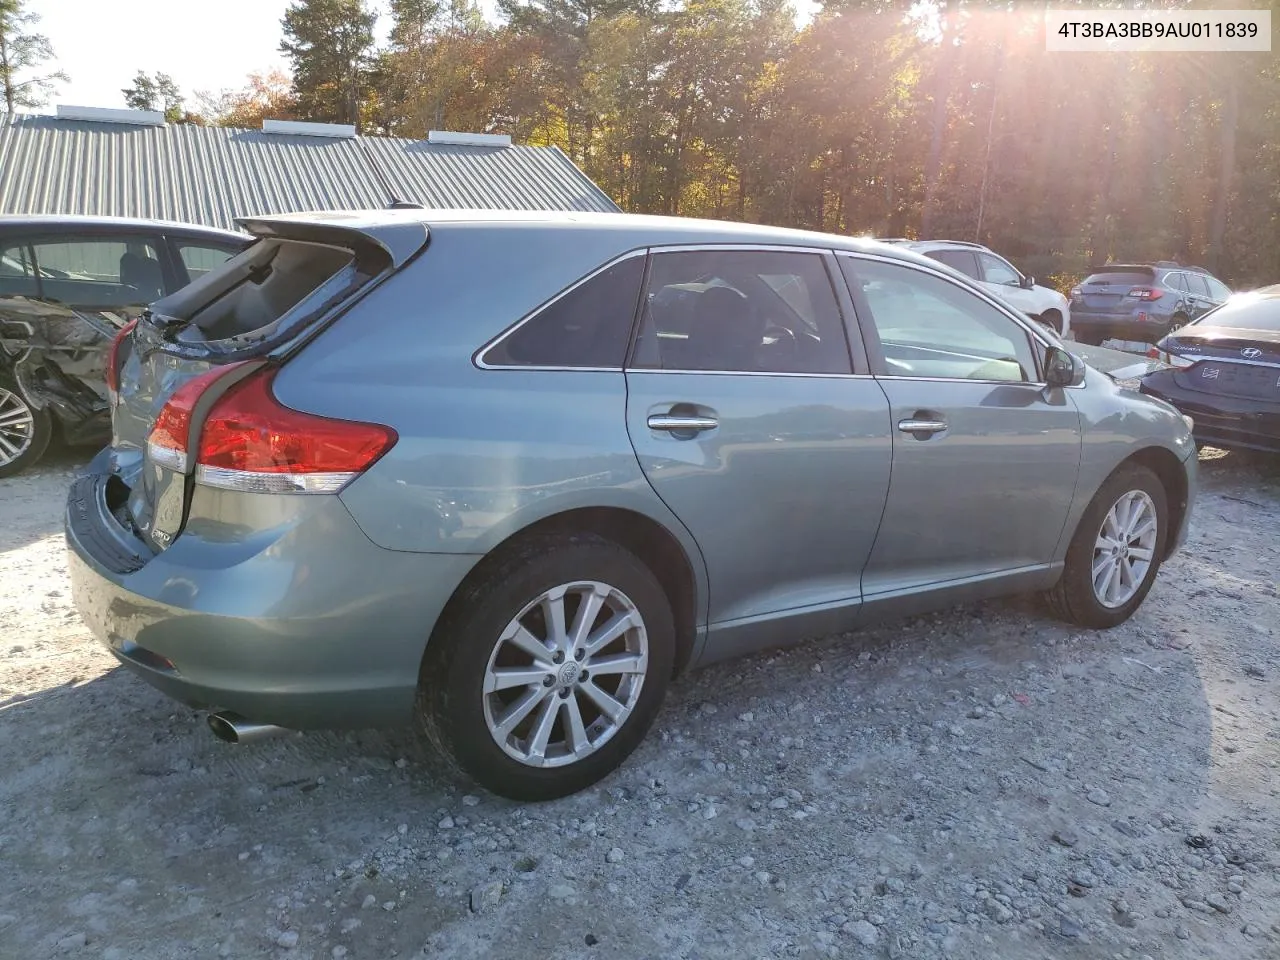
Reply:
x=231, y=327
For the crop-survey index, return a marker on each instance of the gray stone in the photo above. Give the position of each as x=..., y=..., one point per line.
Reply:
x=998, y=911
x=369, y=901
x=288, y=939
x=561, y=891
x=349, y=924
x=1070, y=929
x=863, y=932
x=75, y=941
x=1066, y=837
x=338, y=952
x=1099, y=797
x=1218, y=902
x=1181, y=932
x=485, y=896
x=615, y=855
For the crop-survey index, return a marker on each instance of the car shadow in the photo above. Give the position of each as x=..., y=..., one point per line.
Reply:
x=984, y=729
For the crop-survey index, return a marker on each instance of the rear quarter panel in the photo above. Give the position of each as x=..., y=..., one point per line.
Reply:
x=482, y=454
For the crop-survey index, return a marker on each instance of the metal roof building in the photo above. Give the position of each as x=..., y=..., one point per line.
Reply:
x=131, y=163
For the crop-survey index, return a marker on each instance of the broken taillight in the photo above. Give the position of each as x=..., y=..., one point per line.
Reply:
x=1145, y=293
x=112, y=373
x=168, y=442
x=251, y=442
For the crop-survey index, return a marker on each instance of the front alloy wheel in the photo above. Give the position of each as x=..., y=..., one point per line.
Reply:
x=1124, y=549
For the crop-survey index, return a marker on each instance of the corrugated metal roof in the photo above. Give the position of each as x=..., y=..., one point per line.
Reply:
x=210, y=175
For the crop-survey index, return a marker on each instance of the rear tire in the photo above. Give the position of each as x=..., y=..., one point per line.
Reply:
x=1112, y=540
x=530, y=716
x=1052, y=318
x=25, y=431
x=1177, y=321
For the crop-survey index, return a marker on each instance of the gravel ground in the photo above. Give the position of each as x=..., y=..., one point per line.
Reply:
x=983, y=783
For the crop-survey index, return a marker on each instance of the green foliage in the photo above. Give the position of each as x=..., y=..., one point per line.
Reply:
x=22, y=52
x=878, y=117
x=160, y=94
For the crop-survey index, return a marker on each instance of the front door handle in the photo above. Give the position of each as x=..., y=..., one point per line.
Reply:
x=678, y=423
x=922, y=427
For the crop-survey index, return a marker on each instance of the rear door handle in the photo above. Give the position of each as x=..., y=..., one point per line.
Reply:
x=681, y=423
x=922, y=426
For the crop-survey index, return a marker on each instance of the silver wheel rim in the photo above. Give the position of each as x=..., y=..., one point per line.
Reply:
x=1125, y=549
x=565, y=674
x=17, y=427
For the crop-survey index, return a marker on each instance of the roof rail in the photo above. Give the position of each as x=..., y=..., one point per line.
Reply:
x=958, y=243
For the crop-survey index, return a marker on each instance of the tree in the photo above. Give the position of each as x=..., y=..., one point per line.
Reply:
x=266, y=96
x=329, y=44
x=159, y=94
x=21, y=51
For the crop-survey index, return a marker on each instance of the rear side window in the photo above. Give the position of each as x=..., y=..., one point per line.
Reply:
x=100, y=273
x=1217, y=290
x=962, y=260
x=1197, y=285
x=588, y=325
x=749, y=311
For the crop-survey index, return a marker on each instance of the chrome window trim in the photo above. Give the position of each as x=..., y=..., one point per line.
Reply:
x=478, y=357
x=1028, y=325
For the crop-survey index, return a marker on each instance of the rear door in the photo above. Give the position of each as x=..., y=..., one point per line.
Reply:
x=752, y=423
x=985, y=457
x=254, y=308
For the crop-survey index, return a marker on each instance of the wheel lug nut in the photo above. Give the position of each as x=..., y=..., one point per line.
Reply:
x=564, y=694
x=558, y=657
x=548, y=681
x=579, y=654
x=584, y=676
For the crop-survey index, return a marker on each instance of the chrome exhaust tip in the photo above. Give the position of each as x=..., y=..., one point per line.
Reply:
x=233, y=728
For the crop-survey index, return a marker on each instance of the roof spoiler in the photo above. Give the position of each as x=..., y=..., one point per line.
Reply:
x=399, y=239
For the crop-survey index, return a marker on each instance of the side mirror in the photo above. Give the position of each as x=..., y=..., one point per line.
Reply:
x=1062, y=369
x=1027, y=283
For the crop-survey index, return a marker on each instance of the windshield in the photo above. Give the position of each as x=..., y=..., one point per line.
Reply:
x=1245, y=312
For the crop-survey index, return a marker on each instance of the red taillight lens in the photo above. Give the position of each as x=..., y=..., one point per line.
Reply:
x=167, y=444
x=1145, y=293
x=252, y=442
x=113, y=357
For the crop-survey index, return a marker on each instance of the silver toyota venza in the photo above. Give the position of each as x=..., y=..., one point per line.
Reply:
x=508, y=474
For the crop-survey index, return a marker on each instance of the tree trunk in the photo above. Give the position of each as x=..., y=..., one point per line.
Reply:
x=1226, y=170
x=933, y=163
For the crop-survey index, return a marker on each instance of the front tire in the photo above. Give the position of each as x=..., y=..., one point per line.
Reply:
x=1116, y=551
x=25, y=431
x=549, y=667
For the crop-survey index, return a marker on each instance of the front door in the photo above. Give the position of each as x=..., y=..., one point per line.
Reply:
x=750, y=424
x=985, y=457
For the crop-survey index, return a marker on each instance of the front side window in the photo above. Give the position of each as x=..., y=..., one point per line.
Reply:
x=930, y=327
x=962, y=260
x=588, y=326
x=996, y=270
x=90, y=272
x=749, y=311
x=199, y=259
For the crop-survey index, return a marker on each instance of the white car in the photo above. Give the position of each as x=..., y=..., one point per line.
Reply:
x=1002, y=278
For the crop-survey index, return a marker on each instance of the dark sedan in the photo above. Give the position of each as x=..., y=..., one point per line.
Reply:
x=1224, y=372
x=68, y=286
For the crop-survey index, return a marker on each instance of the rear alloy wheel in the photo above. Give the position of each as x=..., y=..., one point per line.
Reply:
x=1116, y=551
x=579, y=653
x=1177, y=322
x=24, y=430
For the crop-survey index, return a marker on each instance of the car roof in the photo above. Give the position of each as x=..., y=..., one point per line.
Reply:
x=57, y=223
x=642, y=228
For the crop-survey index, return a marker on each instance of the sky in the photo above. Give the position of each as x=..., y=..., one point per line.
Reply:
x=204, y=45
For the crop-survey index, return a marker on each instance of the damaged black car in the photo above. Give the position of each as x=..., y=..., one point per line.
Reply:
x=68, y=287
